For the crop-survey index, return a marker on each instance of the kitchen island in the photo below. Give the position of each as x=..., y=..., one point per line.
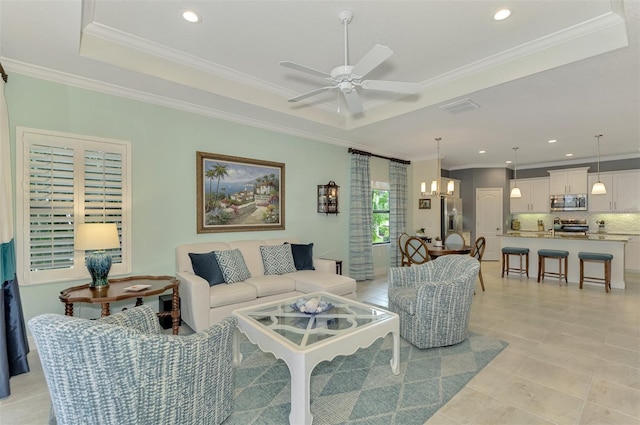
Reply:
x=610, y=244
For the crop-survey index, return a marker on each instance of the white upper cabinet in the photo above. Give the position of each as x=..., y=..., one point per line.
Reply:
x=623, y=192
x=535, y=196
x=568, y=182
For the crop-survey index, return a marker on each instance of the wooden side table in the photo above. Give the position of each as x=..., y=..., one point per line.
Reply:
x=116, y=292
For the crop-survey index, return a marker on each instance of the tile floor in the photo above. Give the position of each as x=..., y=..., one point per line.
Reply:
x=573, y=357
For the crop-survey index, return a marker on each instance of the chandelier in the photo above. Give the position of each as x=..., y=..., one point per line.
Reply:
x=436, y=184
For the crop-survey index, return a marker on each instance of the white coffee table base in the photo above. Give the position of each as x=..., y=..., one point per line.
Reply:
x=302, y=362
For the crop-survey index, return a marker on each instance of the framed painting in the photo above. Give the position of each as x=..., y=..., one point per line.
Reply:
x=237, y=194
x=424, y=204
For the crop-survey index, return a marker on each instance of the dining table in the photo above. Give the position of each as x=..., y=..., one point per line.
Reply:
x=447, y=249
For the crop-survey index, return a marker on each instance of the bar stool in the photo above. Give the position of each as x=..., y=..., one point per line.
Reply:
x=596, y=257
x=543, y=254
x=510, y=250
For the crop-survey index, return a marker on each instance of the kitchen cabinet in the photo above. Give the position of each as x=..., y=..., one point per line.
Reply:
x=632, y=254
x=535, y=196
x=568, y=182
x=623, y=193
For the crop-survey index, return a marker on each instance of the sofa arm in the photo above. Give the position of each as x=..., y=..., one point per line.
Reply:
x=194, y=306
x=324, y=265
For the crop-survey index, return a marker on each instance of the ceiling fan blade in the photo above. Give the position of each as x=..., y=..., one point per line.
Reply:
x=375, y=57
x=353, y=101
x=305, y=69
x=393, y=86
x=311, y=93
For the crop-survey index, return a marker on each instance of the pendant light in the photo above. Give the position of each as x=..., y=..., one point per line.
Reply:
x=435, y=184
x=598, y=187
x=515, y=192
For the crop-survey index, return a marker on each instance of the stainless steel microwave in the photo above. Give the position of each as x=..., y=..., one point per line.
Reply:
x=568, y=202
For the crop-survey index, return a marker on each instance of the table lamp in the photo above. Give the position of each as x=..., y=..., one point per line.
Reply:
x=98, y=237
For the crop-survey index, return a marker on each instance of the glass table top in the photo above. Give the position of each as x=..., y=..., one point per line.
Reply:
x=303, y=330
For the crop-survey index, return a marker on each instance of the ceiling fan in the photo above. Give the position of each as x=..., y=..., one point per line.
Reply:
x=346, y=77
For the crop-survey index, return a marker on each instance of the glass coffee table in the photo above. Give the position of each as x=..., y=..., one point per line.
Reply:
x=303, y=340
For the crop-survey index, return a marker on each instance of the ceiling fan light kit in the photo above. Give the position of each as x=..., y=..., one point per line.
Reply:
x=347, y=78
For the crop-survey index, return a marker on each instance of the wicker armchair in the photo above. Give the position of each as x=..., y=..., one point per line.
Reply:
x=433, y=300
x=122, y=370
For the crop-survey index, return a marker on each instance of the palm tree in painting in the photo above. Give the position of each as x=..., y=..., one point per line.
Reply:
x=210, y=174
x=219, y=171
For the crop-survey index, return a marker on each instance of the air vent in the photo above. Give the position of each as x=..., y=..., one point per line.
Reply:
x=460, y=106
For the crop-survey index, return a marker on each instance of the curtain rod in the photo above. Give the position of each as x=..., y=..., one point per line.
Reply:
x=356, y=151
x=4, y=74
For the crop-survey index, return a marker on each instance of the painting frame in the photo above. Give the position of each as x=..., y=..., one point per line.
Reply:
x=424, y=204
x=252, y=199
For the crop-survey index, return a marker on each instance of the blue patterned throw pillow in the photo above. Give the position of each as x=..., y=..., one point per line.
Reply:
x=232, y=264
x=277, y=259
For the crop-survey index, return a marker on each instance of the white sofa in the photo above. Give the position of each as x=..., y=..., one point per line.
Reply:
x=203, y=305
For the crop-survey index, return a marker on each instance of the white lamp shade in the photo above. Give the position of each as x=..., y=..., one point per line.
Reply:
x=451, y=187
x=434, y=186
x=598, y=188
x=515, y=192
x=423, y=187
x=96, y=236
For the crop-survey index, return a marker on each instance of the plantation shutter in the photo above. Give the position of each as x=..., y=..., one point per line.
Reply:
x=51, y=207
x=69, y=180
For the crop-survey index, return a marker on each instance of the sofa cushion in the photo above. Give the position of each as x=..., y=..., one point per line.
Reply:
x=232, y=265
x=240, y=292
x=308, y=281
x=277, y=259
x=206, y=266
x=272, y=284
x=302, y=256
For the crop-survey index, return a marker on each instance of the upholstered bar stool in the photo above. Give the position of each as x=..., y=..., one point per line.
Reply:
x=507, y=251
x=596, y=257
x=555, y=254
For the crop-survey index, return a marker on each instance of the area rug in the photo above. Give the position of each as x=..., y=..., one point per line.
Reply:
x=360, y=388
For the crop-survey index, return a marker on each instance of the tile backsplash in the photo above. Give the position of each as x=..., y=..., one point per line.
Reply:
x=614, y=223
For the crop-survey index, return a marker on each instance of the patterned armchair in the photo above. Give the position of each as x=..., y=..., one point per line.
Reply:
x=122, y=369
x=433, y=299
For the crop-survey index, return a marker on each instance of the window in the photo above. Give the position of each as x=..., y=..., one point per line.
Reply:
x=380, y=222
x=64, y=180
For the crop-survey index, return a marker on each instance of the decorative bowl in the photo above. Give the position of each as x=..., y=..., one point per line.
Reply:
x=311, y=306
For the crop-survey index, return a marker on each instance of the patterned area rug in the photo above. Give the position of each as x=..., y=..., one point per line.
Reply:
x=360, y=388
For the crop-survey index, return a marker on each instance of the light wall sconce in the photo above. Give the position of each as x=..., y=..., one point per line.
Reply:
x=97, y=237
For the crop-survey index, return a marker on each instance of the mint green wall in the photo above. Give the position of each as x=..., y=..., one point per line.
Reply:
x=164, y=144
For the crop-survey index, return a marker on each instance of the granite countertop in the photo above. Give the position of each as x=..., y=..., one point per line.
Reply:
x=588, y=237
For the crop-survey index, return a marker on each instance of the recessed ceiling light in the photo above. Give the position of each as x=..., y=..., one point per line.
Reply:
x=568, y=154
x=502, y=14
x=191, y=16
x=552, y=141
x=482, y=151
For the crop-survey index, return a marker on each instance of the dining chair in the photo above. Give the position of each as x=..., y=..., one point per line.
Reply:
x=454, y=239
x=477, y=252
x=402, y=240
x=416, y=250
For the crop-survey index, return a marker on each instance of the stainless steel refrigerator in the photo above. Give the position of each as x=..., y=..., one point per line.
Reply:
x=451, y=218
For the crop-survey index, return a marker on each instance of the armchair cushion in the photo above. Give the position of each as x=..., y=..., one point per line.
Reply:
x=113, y=372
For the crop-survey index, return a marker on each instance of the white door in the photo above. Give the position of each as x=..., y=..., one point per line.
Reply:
x=489, y=220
